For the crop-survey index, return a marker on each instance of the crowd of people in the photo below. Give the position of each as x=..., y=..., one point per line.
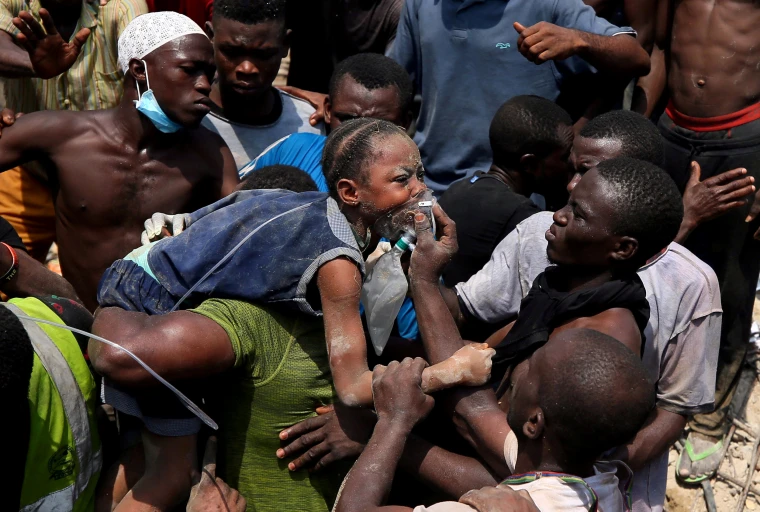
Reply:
x=566, y=189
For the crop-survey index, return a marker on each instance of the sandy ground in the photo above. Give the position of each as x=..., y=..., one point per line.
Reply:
x=736, y=461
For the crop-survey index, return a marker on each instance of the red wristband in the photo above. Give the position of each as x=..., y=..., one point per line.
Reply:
x=11, y=273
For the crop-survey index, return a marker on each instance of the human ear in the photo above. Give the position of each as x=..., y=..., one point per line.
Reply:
x=137, y=70
x=530, y=163
x=209, y=31
x=286, y=43
x=348, y=193
x=408, y=118
x=533, y=428
x=328, y=110
x=625, y=249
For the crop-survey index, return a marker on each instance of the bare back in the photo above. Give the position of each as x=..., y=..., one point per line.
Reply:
x=104, y=189
x=714, y=64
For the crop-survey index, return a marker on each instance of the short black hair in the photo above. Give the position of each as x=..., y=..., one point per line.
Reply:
x=350, y=146
x=528, y=125
x=16, y=360
x=250, y=12
x=285, y=177
x=597, y=397
x=374, y=71
x=638, y=136
x=649, y=207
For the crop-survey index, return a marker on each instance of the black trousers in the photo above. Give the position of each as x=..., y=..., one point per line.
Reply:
x=727, y=244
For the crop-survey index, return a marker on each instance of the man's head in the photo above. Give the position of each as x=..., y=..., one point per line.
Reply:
x=285, y=177
x=250, y=40
x=579, y=395
x=533, y=135
x=371, y=167
x=167, y=53
x=369, y=85
x=622, y=212
x=616, y=133
x=16, y=358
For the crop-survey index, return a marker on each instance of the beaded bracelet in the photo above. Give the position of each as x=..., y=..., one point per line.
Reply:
x=11, y=273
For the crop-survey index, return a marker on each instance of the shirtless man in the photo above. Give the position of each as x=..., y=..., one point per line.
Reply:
x=712, y=74
x=113, y=168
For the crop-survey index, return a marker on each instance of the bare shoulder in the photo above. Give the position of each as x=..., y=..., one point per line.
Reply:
x=53, y=127
x=616, y=322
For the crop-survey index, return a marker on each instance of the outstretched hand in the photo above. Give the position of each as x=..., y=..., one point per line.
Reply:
x=210, y=493
x=431, y=256
x=711, y=198
x=49, y=54
x=545, y=41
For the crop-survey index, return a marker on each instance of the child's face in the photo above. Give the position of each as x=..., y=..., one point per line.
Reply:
x=395, y=175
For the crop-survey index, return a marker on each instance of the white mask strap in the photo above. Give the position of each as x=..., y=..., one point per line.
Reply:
x=147, y=80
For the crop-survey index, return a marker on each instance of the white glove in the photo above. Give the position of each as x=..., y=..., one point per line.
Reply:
x=176, y=224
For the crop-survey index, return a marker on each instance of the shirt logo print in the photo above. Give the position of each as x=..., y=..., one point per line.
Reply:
x=503, y=46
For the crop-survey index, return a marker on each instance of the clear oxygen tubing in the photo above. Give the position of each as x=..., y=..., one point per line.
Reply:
x=185, y=401
x=232, y=251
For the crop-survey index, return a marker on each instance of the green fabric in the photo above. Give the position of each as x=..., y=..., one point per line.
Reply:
x=281, y=376
x=52, y=463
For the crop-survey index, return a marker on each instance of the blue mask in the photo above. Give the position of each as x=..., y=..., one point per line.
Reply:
x=146, y=104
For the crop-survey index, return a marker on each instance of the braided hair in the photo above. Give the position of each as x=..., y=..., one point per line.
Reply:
x=349, y=148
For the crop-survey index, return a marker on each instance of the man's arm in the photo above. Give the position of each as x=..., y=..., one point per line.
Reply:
x=400, y=405
x=615, y=55
x=649, y=88
x=230, y=178
x=443, y=470
x=32, y=278
x=661, y=430
x=14, y=61
x=205, y=346
x=34, y=136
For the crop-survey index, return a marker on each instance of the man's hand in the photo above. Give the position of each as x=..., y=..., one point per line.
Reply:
x=159, y=225
x=397, y=393
x=210, y=493
x=431, y=256
x=338, y=433
x=7, y=118
x=49, y=54
x=545, y=41
x=315, y=99
x=711, y=198
x=496, y=499
x=754, y=211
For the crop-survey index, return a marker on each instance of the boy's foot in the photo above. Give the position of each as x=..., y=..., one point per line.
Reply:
x=700, y=458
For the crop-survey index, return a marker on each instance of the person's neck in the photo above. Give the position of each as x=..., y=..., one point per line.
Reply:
x=551, y=458
x=358, y=223
x=244, y=109
x=137, y=130
x=515, y=180
x=576, y=278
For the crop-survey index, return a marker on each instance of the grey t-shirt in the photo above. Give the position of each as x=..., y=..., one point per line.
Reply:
x=248, y=141
x=682, y=336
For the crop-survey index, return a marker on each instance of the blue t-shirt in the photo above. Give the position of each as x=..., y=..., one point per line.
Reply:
x=462, y=56
x=302, y=150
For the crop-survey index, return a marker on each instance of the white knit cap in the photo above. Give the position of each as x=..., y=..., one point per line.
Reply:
x=148, y=31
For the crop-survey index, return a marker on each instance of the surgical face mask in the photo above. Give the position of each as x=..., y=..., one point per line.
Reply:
x=510, y=451
x=146, y=104
x=400, y=220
